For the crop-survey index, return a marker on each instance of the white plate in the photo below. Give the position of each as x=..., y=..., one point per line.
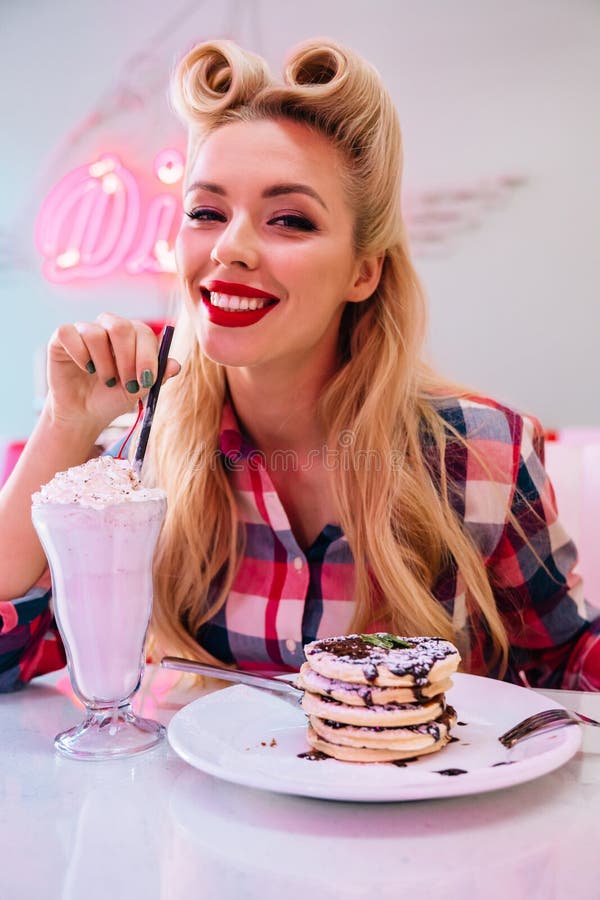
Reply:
x=244, y=735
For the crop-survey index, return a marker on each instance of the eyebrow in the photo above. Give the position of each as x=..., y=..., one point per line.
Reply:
x=276, y=190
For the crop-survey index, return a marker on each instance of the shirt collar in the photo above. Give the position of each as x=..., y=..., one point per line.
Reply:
x=234, y=444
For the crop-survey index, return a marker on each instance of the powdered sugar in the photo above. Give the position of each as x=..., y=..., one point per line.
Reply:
x=416, y=659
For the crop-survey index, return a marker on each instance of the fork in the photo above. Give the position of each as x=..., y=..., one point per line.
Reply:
x=277, y=687
x=547, y=720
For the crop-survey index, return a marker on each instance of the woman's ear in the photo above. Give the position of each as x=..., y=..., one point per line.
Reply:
x=366, y=278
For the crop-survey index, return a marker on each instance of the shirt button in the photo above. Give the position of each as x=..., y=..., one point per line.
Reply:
x=291, y=645
x=298, y=563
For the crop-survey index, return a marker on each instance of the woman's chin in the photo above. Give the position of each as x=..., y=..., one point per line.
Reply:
x=222, y=352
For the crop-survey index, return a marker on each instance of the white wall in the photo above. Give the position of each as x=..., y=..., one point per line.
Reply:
x=484, y=88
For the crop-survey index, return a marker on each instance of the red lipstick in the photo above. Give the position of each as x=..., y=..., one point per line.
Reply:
x=237, y=290
x=236, y=318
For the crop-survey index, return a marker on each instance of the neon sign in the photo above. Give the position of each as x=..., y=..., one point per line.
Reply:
x=93, y=222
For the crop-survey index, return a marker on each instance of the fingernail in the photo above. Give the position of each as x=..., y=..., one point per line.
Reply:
x=146, y=378
x=132, y=386
x=111, y=382
x=90, y=367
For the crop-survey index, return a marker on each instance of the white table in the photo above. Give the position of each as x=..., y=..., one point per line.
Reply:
x=153, y=827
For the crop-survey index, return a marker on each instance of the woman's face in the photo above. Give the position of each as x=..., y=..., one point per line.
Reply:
x=265, y=250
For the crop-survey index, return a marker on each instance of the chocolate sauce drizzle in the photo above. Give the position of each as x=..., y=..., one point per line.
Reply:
x=313, y=755
x=366, y=694
x=434, y=728
x=325, y=698
x=430, y=728
x=416, y=660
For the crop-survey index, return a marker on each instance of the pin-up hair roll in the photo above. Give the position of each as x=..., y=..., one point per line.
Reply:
x=214, y=77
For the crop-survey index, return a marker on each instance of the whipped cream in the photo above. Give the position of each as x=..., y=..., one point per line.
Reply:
x=98, y=483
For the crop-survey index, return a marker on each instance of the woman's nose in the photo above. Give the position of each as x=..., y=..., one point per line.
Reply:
x=236, y=245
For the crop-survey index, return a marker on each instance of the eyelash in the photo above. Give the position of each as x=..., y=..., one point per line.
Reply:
x=300, y=223
x=205, y=215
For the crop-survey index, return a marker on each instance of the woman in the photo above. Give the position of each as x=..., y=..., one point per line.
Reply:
x=320, y=478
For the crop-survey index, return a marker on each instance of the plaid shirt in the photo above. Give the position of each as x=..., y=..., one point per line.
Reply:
x=282, y=597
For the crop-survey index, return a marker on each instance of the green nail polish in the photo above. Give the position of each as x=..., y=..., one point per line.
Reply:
x=132, y=386
x=146, y=378
x=90, y=367
x=111, y=382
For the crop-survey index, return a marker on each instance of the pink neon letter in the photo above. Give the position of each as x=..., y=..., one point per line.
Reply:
x=154, y=252
x=157, y=234
x=87, y=223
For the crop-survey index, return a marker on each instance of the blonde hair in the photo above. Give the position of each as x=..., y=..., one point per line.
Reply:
x=399, y=521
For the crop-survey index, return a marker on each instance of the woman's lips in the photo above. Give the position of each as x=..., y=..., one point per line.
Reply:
x=236, y=290
x=237, y=318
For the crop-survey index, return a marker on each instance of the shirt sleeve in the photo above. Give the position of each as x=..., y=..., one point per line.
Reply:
x=554, y=633
x=29, y=641
x=30, y=644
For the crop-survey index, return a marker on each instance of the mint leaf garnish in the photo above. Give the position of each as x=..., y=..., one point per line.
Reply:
x=386, y=641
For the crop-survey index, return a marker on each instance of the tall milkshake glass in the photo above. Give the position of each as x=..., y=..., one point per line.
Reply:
x=99, y=526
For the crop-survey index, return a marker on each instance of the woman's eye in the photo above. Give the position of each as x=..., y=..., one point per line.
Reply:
x=289, y=220
x=205, y=214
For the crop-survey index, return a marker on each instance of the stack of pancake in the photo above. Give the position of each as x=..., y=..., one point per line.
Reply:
x=378, y=697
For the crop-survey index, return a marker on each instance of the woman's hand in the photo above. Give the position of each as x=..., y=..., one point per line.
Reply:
x=98, y=370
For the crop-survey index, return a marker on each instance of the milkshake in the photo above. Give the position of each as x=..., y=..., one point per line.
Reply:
x=99, y=525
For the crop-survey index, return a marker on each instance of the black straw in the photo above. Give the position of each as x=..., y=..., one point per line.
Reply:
x=163, y=355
